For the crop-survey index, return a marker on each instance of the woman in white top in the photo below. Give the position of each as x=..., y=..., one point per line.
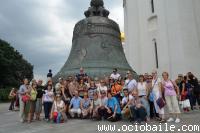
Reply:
x=96, y=103
x=58, y=110
x=102, y=87
x=47, y=100
x=157, y=92
x=142, y=93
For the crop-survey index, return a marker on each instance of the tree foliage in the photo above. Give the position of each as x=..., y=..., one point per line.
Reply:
x=13, y=67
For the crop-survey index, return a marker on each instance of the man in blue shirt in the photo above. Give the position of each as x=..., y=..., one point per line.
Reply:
x=22, y=91
x=114, y=110
x=74, y=107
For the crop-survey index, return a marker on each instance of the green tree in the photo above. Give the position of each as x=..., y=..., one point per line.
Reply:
x=13, y=67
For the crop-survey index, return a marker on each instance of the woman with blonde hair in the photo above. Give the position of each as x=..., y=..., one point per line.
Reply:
x=85, y=106
x=157, y=94
x=58, y=110
x=171, y=92
x=29, y=102
x=143, y=94
x=33, y=94
x=96, y=102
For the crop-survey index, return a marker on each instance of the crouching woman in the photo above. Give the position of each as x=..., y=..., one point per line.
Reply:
x=58, y=110
x=138, y=111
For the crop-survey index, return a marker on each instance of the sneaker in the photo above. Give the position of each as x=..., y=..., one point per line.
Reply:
x=45, y=119
x=177, y=120
x=170, y=120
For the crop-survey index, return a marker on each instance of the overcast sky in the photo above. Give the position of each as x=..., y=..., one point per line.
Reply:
x=42, y=29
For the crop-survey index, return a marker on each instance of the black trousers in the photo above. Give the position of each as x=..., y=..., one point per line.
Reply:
x=153, y=110
x=194, y=99
x=103, y=112
x=47, y=109
x=12, y=104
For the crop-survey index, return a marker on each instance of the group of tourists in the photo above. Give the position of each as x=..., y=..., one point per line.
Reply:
x=112, y=98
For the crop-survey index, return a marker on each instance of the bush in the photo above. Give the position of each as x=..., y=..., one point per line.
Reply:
x=4, y=93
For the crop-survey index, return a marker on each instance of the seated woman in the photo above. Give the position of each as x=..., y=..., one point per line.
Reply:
x=113, y=108
x=95, y=105
x=103, y=109
x=85, y=106
x=138, y=111
x=58, y=110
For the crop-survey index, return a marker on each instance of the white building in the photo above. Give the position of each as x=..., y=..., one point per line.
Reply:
x=163, y=34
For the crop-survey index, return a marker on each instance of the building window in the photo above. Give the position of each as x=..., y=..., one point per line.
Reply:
x=152, y=6
x=156, y=52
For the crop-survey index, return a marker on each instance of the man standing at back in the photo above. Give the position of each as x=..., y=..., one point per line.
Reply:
x=115, y=75
x=130, y=82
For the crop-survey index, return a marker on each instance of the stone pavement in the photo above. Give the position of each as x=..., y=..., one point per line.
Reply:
x=9, y=123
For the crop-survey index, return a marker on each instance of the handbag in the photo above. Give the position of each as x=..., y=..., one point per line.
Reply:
x=11, y=97
x=25, y=98
x=160, y=102
x=55, y=115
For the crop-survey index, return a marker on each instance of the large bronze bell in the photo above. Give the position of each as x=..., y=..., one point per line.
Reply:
x=96, y=45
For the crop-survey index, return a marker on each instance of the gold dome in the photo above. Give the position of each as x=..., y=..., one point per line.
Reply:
x=122, y=36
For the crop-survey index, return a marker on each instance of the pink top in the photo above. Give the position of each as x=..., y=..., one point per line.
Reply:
x=169, y=88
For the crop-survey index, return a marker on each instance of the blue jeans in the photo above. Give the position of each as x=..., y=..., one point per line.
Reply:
x=47, y=109
x=145, y=103
x=59, y=117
